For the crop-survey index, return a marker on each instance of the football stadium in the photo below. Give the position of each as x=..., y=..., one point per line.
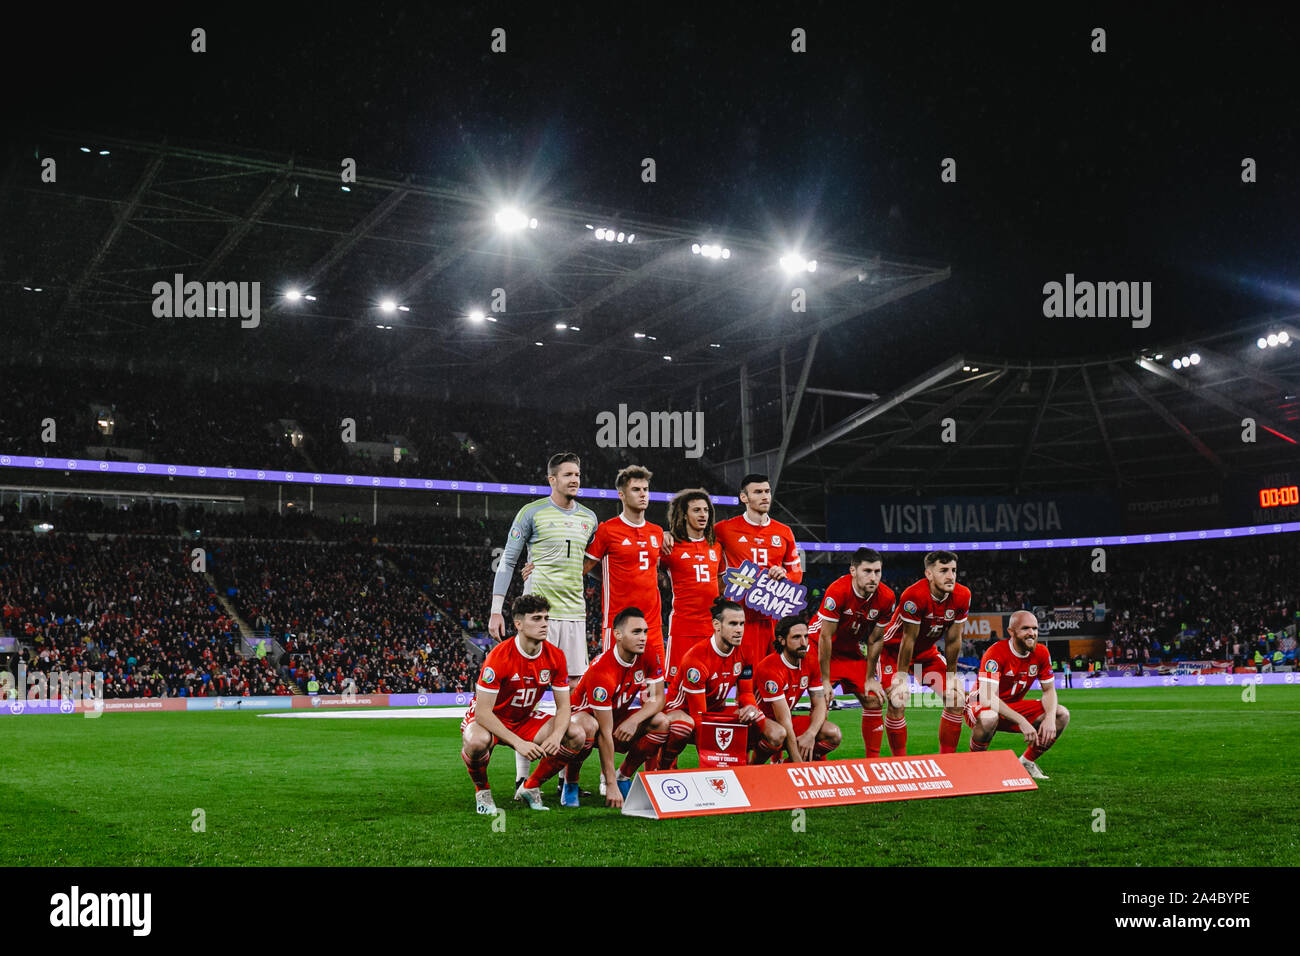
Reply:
x=374, y=494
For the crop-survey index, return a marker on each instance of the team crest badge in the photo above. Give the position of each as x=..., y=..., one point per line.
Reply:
x=545, y=677
x=909, y=607
x=693, y=675
x=872, y=613
x=737, y=669
x=639, y=677
x=770, y=687
x=718, y=785
x=654, y=542
x=776, y=541
x=830, y=603
x=1033, y=670
x=991, y=667
x=713, y=555
x=948, y=614
x=803, y=681
x=723, y=736
x=489, y=675
x=600, y=695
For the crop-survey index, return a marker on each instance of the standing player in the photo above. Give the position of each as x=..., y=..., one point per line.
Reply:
x=1006, y=671
x=708, y=672
x=556, y=530
x=694, y=566
x=504, y=708
x=603, y=713
x=627, y=549
x=754, y=536
x=854, y=611
x=932, y=608
x=781, y=679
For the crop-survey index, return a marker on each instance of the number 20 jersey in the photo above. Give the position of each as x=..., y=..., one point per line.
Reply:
x=519, y=680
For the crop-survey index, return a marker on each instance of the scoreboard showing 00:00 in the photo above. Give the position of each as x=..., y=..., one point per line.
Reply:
x=1277, y=497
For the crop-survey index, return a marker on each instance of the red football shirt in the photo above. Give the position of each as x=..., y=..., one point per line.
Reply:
x=775, y=678
x=704, y=678
x=916, y=605
x=519, y=680
x=1014, y=673
x=693, y=566
x=609, y=684
x=629, y=559
x=855, y=617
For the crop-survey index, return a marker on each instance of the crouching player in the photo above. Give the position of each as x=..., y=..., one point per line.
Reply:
x=603, y=712
x=706, y=675
x=509, y=687
x=1006, y=671
x=781, y=679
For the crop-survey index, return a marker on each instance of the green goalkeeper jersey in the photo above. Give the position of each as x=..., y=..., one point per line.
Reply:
x=556, y=541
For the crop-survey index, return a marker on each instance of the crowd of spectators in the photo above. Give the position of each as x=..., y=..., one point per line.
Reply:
x=385, y=608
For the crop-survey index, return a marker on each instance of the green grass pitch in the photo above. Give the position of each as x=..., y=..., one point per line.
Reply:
x=1192, y=776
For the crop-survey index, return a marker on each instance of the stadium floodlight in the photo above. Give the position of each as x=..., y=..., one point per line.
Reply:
x=1283, y=338
x=85, y=149
x=1262, y=342
x=695, y=248
x=346, y=189
x=560, y=326
x=726, y=253
x=574, y=328
x=1196, y=358
x=609, y=235
x=668, y=358
x=310, y=298
x=1178, y=363
x=621, y=237
x=510, y=219
x=600, y=233
x=638, y=335
x=403, y=308
x=1159, y=356
x=965, y=368
x=792, y=262
x=477, y=316
x=630, y=237
x=293, y=295
x=532, y=223
x=491, y=318
x=1273, y=339
x=537, y=343
x=715, y=345
x=388, y=305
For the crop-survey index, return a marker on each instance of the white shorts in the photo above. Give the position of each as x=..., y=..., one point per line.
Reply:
x=571, y=638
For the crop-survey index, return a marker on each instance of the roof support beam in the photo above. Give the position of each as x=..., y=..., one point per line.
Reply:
x=1169, y=419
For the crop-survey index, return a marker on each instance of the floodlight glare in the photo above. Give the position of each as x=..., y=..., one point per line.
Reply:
x=293, y=295
x=1283, y=338
x=561, y=326
x=511, y=219
x=695, y=248
x=388, y=305
x=476, y=316
x=792, y=263
x=1196, y=358
x=1178, y=363
x=600, y=233
x=1273, y=339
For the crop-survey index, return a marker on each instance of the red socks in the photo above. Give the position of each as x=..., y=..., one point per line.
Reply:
x=477, y=768
x=642, y=750
x=873, y=728
x=949, y=732
x=976, y=746
x=549, y=767
x=896, y=731
x=679, y=735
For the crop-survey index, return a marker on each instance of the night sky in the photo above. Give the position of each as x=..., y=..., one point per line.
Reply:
x=1116, y=166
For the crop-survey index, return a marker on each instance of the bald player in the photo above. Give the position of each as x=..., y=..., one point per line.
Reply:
x=1007, y=670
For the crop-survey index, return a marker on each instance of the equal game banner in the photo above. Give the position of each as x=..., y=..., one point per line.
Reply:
x=663, y=794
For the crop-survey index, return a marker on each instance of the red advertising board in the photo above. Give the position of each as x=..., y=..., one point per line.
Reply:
x=721, y=741
x=690, y=793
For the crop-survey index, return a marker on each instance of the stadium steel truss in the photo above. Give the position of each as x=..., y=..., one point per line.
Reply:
x=645, y=321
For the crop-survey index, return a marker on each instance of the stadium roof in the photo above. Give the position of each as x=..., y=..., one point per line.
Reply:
x=112, y=225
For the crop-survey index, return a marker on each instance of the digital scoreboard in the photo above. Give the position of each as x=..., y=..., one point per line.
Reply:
x=1279, y=496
